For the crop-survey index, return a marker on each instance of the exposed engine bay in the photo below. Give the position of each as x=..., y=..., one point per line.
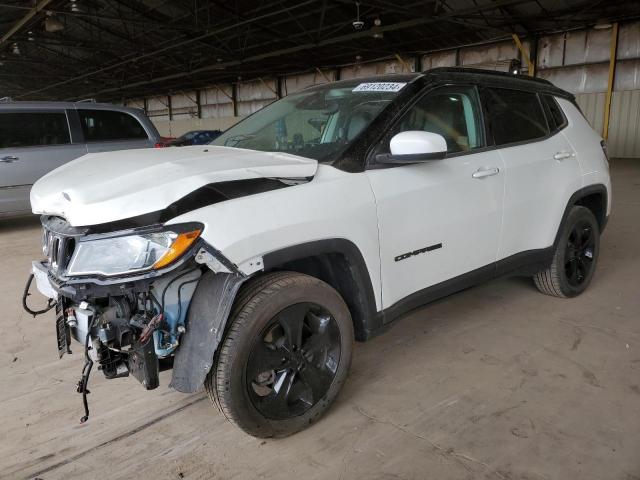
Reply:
x=128, y=325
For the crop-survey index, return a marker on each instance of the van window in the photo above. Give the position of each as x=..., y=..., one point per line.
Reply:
x=515, y=116
x=31, y=129
x=105, y=125
x=555, y=117
x=453, y=112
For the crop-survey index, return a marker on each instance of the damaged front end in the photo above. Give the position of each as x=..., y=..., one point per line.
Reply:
x=125, y=297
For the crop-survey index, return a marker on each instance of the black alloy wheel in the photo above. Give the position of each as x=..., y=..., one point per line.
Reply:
x=578, y=257
x=285, y=354
x=293, y=361
x=575, y=256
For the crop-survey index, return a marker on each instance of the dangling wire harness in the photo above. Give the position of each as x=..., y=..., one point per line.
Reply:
x=50, y=302
x=86, y=372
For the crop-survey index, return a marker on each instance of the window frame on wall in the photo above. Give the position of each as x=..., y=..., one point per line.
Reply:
x=40, y=113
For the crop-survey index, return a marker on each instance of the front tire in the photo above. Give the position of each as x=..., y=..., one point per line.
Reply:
x=574, y=258
x=285, y=356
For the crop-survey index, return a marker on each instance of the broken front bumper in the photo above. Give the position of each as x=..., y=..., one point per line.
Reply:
x=41, y=276
x=190, y=331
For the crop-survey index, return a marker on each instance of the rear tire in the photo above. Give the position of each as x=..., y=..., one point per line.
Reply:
x=285, y=355
x=574, y=258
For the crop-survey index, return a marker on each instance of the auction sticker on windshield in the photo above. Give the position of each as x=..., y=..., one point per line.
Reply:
x=379, y=87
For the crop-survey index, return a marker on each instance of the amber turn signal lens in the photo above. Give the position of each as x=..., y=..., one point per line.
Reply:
x=180, y=245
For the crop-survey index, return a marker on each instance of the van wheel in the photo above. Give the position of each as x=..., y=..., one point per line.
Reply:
x=285, y=355
x=575, y=256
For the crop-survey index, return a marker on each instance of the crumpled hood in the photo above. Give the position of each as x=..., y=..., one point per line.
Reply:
x=103, y=187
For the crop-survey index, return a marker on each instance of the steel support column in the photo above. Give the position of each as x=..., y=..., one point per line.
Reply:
x=530, y=65
x=234, y=98
x=198, y=103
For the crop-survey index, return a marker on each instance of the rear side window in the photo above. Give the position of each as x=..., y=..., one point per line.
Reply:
x=33, y=129
x=555, y=117
x=105, y=125
x=515, y=116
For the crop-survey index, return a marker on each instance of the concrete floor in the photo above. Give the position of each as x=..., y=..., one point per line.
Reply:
x=498, y=382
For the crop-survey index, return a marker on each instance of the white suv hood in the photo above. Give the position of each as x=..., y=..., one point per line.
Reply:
x=103, y=187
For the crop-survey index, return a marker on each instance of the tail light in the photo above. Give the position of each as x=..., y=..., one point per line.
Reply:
x=160, y=145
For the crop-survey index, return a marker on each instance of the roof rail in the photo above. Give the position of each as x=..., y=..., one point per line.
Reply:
x=480, y=71
x=86, y=100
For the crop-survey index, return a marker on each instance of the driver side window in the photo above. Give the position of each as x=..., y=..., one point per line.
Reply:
x=453, y=112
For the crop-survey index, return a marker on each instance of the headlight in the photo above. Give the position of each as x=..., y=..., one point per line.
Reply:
x=130, y=253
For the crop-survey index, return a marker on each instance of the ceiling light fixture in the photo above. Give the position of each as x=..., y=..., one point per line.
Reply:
x=602, y=25
x=357, y=23
x=376, y=33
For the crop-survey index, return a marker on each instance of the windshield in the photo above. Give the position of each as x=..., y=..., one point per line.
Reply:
x=318, y=123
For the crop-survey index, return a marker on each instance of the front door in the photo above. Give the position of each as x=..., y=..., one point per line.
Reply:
x=439, y=219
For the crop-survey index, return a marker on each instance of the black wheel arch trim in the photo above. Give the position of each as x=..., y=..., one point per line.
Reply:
x=361, y=299
x=596, y=188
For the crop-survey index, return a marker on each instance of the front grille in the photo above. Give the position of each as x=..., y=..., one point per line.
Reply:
x=59, y=242
x=58, y=250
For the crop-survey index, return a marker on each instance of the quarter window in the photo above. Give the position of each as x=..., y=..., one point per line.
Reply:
x=555, y=117
x=452, y=112
x=105, y=125
x=515, y=116
x=33, y=129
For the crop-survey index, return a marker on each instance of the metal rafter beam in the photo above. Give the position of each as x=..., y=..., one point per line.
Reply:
x=24, y=20
x=172, y=45
x=303, y=47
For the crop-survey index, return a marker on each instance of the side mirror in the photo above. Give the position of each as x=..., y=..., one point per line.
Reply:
x=415, y=146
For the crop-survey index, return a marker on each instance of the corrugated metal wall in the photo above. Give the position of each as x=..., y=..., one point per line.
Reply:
x=495, y=56
x=577, y=61
x=592, y=105
x=184, y=106
x=624, y=128
x=386, y=67
x=295, y=83
x=252, y=96
x=217, y=101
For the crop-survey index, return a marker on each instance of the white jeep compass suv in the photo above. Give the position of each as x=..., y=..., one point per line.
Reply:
x=249, y=265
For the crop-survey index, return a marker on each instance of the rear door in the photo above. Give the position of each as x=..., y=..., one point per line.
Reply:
x=542, y=170
x=107, y=130
x=32, y=143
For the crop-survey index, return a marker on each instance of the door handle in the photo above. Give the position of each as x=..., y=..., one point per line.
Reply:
x=9, y=159
x=563, y=155
x=485, y=172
